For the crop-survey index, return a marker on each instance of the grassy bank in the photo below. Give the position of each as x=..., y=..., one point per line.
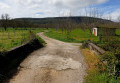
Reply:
x=15, y=37
x=76, y=35
x=10, y=60
x=96, y=69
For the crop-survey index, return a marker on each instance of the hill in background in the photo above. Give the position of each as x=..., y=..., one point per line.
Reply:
x=52, y=20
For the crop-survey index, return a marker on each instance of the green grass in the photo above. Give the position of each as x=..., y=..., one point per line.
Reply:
x=101, y=78
x=41, y=40
x=13, y=38
x=76, y=35
x=118, y=31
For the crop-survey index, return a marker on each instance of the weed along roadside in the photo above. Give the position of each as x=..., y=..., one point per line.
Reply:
x=103, y=66
x=10, y=60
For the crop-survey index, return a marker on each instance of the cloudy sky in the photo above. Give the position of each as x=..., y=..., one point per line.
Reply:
x=55, y=8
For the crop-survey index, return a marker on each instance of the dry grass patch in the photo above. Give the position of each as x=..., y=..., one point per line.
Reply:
x=90, y=58
x=95, y=66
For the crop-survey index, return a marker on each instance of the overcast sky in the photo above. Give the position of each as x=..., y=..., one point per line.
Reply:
x=55, y=8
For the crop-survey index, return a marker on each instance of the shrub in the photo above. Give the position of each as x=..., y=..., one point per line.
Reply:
x=111, y=62
x=31, y=35
x=110, y=39
x=111, y=46
x=84, y=44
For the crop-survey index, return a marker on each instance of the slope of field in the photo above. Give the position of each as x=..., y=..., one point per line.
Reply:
x=76, y=35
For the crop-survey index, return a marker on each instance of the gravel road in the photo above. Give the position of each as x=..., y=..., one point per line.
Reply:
x=57, y=62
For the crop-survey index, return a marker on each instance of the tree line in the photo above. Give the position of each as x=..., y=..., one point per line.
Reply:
x=7, y=22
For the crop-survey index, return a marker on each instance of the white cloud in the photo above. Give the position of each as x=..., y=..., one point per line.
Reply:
x=29, y=2
x=50, y=8
x=3, y=6
x=75, y=3
x=113, y=15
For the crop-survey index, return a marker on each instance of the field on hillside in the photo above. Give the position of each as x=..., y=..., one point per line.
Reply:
x=76, y=35
x=12, y=38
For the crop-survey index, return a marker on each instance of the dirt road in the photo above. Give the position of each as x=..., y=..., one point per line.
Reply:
x=58, y=62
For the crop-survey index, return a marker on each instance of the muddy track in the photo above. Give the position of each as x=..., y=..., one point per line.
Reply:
x=57, y=62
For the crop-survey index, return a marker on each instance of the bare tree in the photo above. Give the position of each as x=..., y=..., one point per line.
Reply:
x=119, y=18
x=67, y=24
x=5, y=21
x=88, y=22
